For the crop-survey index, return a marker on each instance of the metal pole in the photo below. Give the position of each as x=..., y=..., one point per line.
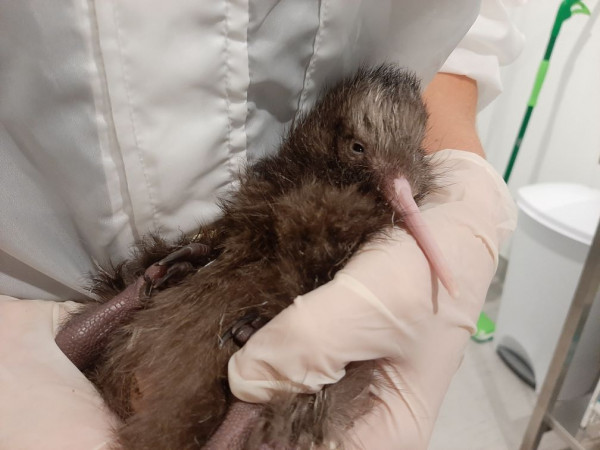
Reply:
x=587, y=289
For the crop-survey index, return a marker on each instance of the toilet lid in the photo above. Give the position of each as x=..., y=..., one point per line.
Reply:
x=573, y=210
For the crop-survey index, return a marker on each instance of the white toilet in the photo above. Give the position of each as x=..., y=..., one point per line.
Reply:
x=556, y=225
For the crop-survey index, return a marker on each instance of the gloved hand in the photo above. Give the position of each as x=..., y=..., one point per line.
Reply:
x=386, y=305
x=45, y=402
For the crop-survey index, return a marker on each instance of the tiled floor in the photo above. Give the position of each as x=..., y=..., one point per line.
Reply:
x=487, y=406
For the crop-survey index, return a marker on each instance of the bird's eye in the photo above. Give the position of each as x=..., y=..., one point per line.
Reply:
x=358, y=148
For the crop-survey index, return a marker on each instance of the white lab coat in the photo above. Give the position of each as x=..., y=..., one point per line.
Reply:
x=118, y=118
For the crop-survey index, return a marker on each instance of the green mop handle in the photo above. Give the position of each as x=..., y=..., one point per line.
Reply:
x=565, y=11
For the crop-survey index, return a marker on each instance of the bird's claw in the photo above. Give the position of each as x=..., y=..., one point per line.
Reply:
x=244, y=328
x=175, y=266
x=191, y=253
x=176, y=272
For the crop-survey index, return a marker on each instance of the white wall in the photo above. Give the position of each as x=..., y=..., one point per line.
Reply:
x=563, y=139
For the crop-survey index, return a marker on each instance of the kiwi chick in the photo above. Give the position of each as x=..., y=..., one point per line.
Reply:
x=296, y=219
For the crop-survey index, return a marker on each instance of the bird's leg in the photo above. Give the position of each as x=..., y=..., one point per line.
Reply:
x=83, y=338
x=235, y=430
x=241, y=416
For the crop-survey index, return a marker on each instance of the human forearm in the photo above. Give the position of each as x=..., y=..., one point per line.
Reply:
x=451, y=101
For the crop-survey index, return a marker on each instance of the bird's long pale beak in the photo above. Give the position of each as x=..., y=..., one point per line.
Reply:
x=403, y=203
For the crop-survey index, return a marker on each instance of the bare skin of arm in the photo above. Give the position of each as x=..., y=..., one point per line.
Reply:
x=451, y=101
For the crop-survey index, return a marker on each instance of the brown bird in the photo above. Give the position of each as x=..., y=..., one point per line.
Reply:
x=336, y=182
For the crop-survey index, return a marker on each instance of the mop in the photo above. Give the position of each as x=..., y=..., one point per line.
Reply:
x=485, y=325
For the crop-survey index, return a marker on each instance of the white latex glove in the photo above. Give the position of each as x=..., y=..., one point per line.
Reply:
x=45, y=402
x=386, y=305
